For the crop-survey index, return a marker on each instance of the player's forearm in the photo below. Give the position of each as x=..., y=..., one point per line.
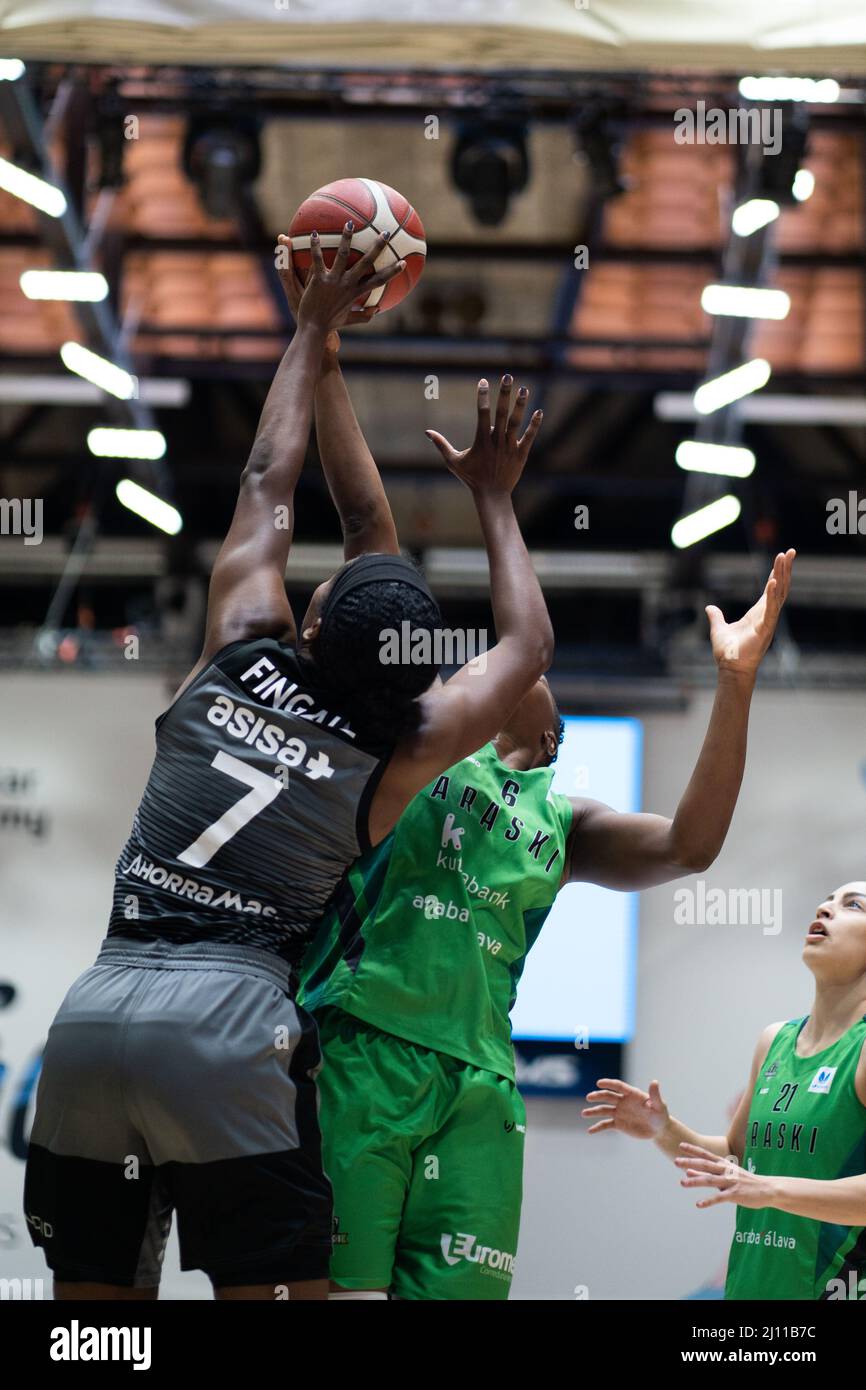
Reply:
x=676, y=1133
x=280, y=445
x=519, y=610
x=704, y=814
x=841, y=1201
x=350, y=469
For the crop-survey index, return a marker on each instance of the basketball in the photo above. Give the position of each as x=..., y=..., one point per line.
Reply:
x=374, y=208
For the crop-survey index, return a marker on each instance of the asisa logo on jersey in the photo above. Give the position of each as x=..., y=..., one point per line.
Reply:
x=463, y=1246
x=822, y=1080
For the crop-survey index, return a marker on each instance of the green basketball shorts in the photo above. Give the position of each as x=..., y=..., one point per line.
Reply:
x=425, y=1156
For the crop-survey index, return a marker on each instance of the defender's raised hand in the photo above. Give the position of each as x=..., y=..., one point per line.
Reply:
x=328, y=298
x=497, y=456
x=741, y=646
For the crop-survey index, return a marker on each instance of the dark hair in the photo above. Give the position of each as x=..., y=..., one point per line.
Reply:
x=379, y=698
x=559, y=724
x=560, y=737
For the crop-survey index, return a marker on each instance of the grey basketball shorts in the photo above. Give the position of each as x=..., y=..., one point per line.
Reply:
x=180, y=1079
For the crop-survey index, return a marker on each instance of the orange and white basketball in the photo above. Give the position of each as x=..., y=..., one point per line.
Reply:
x=374, y=208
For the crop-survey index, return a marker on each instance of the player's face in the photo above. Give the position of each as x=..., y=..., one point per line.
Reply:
x=836, y=942
x=312, y=618
x=539, y=710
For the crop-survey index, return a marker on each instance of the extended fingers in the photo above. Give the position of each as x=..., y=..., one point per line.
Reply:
x=483, y=400
x=285, y=268
x=773, y=589
x=367, y=262
x=316, y=256
x=342, y=257
x=779, y=582
x=695, y=1179
x=528, y=439
x=517, y=413
x=713, y=1201
x=448, y=452
x=503, y=404
x=786, y=569
x=381, y=277
x=283, y=257
x=716, y=1166
x=699, y=1152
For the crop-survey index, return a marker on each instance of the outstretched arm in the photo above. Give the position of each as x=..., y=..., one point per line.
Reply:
x=644, y=1114
x=350, y=470
x=463, y=714
x=629, y=851
x=247, y=596
x=839, y=1201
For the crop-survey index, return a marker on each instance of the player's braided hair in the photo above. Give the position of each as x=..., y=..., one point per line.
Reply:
x=379, y=698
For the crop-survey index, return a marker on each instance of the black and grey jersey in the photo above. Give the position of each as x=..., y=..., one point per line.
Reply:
x=256, y=804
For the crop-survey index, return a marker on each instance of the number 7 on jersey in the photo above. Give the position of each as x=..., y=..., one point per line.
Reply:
x=264, y=790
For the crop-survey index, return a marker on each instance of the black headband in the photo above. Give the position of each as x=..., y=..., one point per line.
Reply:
x=372, y=569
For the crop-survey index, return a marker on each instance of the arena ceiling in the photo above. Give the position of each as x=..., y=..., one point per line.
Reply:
x=797, y=36
x=196, y=305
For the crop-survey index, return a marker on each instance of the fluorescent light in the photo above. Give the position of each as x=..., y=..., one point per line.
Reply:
x=11, y=69
x=30, y=189
x=99, y=370
x=111, y=443
x=82, y=286
x=755, y=213
x=789, y=89
x=63, y=390
x=726, y=459
x=744, y=302
x=770, y=408
x=148, y=506
x=702, y=523
x=804, y=185
x=730, y=386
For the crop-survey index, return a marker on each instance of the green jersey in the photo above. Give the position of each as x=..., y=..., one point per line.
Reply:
x=805, y=1121
x=428, y=933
